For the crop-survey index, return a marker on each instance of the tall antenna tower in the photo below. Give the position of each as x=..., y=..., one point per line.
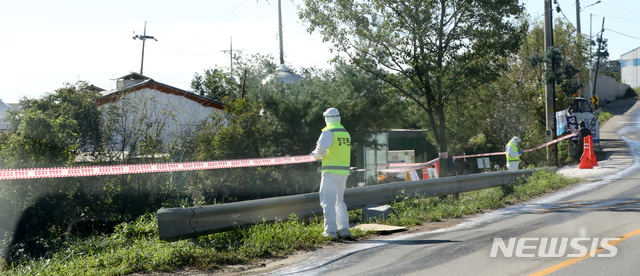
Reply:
x=143, y=37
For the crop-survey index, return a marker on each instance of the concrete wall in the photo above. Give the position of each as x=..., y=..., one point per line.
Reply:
x=630, y=69
x=607, y=89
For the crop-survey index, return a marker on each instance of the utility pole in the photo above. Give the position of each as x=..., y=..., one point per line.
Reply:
x=143, y=37
x=595, y=77
x=230, y=51
x=578, y=16
x=550, y=90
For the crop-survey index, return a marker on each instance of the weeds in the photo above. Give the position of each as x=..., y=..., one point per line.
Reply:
x=135, y=248
x=604, y=116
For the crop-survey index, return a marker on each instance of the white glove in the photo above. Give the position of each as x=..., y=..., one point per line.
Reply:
x=314, y=154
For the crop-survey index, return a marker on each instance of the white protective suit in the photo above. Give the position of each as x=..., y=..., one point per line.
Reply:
x=336, y=219
x=512, y=152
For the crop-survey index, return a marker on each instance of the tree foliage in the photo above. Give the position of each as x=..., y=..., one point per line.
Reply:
x=215, y=84
x=63, y=129
x=48, y=132
x=52, y=130
x=430, y=52
x=286, y=119
x=514, y=104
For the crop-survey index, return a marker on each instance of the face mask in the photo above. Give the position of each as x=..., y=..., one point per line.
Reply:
x=331, y=120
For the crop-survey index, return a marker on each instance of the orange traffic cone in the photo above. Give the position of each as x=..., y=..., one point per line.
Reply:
x=425, y=173
x=594, y=162
x=585, y=159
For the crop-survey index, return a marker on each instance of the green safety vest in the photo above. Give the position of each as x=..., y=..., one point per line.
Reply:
x=338, y=157
x=515, y=148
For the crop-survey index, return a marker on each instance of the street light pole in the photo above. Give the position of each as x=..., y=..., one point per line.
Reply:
x=578, y=13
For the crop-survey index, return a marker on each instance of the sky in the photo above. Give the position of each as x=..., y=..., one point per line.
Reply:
x=46, y=44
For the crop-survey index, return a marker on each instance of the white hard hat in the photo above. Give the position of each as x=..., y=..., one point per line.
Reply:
x=331, y=112
x=516, y=139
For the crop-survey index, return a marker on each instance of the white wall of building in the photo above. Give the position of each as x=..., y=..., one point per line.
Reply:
x=148, y=112
x=630, y=68
x=4, y=108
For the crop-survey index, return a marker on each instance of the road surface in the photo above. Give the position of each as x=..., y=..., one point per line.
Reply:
x=590, y=228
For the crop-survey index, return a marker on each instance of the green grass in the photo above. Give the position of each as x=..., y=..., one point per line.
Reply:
x=415, y=210
x=604, y=116
x=135, y=248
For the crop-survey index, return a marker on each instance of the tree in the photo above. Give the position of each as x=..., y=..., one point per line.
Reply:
x=610, y=68
x=52, y=130
x=286, y=119
x=429, y=51
x=48, y=132
x=363, y=101
x=218, y=83
x=215, y=84
x=514, y=104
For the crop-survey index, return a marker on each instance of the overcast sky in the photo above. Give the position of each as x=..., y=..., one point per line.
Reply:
x=45, y=44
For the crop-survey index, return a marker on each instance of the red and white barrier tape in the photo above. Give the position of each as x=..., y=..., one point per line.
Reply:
x=151, y=168
x=405, y=167
x=527, y=150
x=551, y=142
x=6, y=174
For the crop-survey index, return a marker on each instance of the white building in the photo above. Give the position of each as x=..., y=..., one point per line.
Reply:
x=143, y=109
x=4, y=125
x=630, y=68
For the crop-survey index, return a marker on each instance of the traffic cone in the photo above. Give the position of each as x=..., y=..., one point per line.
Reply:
x=594, y=162
x=585, y=159
x=425, y=173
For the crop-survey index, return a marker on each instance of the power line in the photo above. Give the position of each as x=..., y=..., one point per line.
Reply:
x=622, y=34
x=623, y=8
x=559, y=9
x=243, y=13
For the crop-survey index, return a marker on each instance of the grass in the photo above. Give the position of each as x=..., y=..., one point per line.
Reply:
x=604, y=116
x=135, y=248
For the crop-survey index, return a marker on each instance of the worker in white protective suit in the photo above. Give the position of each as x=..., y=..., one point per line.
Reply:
x=513, y=154
x=334, y=148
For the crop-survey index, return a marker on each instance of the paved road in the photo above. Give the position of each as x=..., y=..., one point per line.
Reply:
x=604, y=207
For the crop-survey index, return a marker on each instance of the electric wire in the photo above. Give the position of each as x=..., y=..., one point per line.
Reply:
x=622, y=34
x=622, y=8
x=565, y=16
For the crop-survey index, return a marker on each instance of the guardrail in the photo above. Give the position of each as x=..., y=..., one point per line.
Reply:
x=181, y=223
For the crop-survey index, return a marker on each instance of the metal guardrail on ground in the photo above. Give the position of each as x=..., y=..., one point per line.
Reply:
x=181, y=223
